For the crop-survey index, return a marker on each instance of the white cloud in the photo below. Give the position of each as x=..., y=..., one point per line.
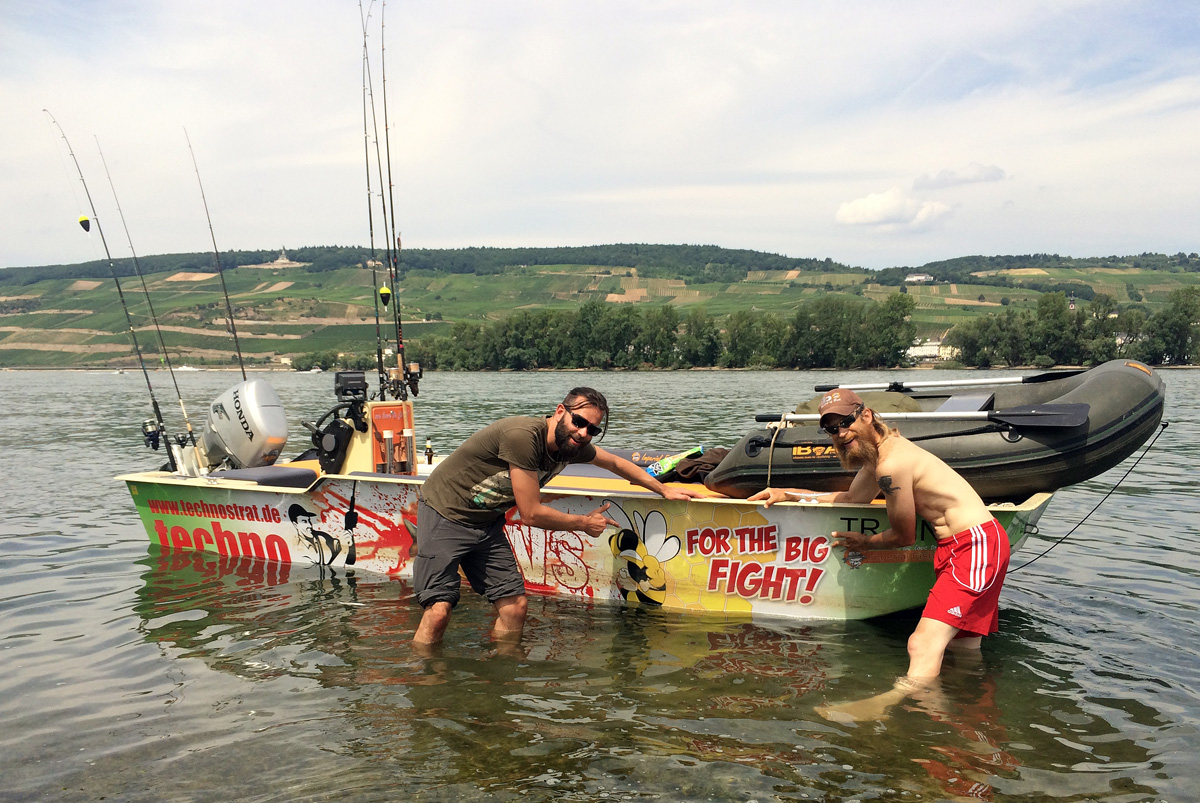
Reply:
x=553, y=122
x=975, y=173
x=891, y=210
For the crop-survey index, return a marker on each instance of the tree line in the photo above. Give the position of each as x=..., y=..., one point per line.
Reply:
x=1055, y=334
x=688, y=262
x=985, y=269
x=829, y=332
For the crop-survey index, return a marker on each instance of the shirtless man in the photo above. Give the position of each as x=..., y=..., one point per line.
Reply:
x=972, y=548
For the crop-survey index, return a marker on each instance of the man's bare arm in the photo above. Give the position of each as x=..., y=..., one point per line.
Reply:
x=901, y=507
x=638, y=476
x=862, y=490
x=528, y=495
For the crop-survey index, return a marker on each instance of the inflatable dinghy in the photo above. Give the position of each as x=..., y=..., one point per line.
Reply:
x=1009, y=437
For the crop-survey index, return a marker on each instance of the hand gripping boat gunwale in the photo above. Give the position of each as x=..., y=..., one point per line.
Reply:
x=1004, y=457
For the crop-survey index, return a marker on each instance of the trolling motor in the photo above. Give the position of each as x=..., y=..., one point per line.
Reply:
x=331, y=440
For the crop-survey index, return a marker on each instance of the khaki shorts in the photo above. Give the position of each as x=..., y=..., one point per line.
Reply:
x=483, y=554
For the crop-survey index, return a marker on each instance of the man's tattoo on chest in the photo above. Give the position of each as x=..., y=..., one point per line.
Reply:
x=885, y=485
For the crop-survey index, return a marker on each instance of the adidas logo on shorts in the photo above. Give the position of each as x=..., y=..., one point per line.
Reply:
x=955, y=611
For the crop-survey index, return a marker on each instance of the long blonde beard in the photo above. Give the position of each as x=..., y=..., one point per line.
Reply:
x=864, y=452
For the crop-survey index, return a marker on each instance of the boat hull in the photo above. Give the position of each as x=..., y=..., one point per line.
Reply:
x=708, y=556
x=1002, y=463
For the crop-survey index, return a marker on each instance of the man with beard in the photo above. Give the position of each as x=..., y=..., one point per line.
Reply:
x=461, y=513
x=972, y=548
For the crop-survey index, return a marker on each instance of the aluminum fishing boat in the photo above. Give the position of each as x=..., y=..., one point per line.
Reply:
x=351, y=503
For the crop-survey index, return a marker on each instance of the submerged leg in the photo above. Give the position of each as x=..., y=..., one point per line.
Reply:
x=510, y=616
x=926, y=647
x=433, y=624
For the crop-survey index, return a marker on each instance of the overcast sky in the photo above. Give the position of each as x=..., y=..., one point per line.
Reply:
x=875, y=134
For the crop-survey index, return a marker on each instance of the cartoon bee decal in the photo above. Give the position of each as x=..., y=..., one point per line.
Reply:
x=645, y=547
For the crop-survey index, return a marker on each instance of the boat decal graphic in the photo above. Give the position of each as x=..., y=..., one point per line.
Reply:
x=552, y=561
x=204, y=510
x=810, y=451
x=271, y=546
x=644, y=546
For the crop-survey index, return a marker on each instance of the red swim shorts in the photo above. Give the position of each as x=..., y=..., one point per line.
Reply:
x=970, y=568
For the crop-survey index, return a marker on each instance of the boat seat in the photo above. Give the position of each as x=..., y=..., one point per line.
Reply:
x=280, y=476
x=968, y=403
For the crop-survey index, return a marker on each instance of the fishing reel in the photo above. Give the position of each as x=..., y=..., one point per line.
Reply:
x=400, y=377
x=152, y=433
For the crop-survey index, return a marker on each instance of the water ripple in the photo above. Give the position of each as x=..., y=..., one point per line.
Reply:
x=136, y=676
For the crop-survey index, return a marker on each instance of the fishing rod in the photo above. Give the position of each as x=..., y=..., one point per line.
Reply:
x=396, y=377
x=137, y=268
x=387, y=145
x=154, y=430
x=375, y=291
x=407, y=376
x=217, y=259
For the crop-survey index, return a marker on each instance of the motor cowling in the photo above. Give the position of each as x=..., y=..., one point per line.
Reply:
x=246, y=426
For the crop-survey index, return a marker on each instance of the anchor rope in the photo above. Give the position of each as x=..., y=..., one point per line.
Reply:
x=1103, y=499
x=771, y=451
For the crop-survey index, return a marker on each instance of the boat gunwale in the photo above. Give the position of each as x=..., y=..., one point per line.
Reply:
x=1031, y=503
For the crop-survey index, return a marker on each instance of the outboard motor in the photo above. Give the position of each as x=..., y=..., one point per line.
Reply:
x=246, y=426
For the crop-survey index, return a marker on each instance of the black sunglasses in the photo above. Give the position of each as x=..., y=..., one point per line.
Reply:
x=580, y=422
x=845, y=422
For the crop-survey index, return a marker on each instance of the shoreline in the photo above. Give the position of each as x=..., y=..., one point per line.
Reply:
x=112, y=369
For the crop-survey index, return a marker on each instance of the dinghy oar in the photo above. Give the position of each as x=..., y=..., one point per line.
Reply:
x=1033, y=415
x=901, y=387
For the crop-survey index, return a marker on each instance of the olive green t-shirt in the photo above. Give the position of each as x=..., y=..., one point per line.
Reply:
x=473, y=485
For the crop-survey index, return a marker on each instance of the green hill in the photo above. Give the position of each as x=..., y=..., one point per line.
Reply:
x=321, y=298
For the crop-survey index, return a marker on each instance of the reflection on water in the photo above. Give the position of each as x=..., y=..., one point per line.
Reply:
x=135, y=675
x=600, y=700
